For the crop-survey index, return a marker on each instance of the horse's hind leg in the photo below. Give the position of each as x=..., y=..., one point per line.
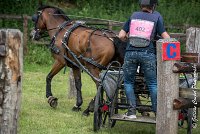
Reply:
x=55, y=69
x=78, y=84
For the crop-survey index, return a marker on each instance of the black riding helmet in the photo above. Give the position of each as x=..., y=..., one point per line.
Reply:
x=151, y=4
x=148, y=2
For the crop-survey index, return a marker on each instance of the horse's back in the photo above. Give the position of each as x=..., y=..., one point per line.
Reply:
x=92, y=43
x=103, y=46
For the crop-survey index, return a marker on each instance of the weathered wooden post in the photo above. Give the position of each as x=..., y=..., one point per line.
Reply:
x=168, y=51
x=25, y=33
x=110, y=25
x=193, y=40
x=11, y=64
x=72, y=88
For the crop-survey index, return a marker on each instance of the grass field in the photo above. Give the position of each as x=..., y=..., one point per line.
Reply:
x=37, y=117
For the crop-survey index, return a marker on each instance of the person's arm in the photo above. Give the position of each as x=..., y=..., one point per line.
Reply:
x=122, y=35
x=160, y=28
x=124, y=31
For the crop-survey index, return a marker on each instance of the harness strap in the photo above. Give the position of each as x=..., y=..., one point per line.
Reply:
x=65, y=41
x=79, y=63
x=51, y=45
x=69, y=31
x=93, y=62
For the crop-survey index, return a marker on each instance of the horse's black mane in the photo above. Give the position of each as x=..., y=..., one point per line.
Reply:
x=120, y=48
x=58, y=12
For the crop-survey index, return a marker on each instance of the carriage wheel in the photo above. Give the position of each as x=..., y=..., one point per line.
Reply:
x=113, y=110
x=100, y=109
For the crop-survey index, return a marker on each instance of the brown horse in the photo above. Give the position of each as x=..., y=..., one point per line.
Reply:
x=75, y=45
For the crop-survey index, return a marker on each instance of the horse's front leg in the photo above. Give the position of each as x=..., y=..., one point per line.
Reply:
x=55, y=69
x=78, y=84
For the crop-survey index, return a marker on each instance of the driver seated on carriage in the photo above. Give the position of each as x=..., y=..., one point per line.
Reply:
x=141, y=29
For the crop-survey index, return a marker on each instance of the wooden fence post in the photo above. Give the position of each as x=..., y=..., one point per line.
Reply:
x=72, y=88
x=110, y=25
x=168, y=90
x=25, y=33
x=193, y=40
x=11, y=64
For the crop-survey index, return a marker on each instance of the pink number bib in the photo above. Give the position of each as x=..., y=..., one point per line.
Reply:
x=141, y=28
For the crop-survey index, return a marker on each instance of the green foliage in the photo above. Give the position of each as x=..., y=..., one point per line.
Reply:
x=180, y=12
x=174, y=12
x=38, y=54
x=18, y=6
x=113, y=10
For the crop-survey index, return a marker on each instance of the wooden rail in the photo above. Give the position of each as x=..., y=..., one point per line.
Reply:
x=25, y=19
x=18, y=17
x=96, y=21
x=110, y=24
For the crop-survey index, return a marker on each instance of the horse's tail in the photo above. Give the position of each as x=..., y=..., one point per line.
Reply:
x=120, y=48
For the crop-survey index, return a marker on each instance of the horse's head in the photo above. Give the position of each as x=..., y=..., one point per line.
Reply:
x=45, y=19
x=39, y=24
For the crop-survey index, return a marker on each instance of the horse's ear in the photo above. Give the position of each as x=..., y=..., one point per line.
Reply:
x=40, y=3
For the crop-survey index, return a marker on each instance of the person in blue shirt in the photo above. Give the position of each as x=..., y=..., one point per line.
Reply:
x=141, y=30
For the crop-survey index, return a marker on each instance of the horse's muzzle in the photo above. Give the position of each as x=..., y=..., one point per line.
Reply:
x=34, y=35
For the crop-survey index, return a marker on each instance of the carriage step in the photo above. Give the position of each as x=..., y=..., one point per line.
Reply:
x=142, y=119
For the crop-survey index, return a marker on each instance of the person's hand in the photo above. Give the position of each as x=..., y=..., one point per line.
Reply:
x=165, y=35
x=123, y=35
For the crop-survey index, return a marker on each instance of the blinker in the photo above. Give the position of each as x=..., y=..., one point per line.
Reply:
x=34, y=18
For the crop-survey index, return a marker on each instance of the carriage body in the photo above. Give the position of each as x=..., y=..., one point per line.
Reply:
x=111, y=102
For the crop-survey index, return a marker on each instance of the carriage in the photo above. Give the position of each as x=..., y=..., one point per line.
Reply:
x=111, y=103
x=94, y=49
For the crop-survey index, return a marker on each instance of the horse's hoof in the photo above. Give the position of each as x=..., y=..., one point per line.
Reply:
x=76, y=109
x=53, y=102
x=86, y=113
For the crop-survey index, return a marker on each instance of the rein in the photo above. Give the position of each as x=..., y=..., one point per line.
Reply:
x=89, y=60
x=52, y=46
x=74, y=26
x=78, y=64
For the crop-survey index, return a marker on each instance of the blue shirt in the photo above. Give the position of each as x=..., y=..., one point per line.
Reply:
x=159, y=28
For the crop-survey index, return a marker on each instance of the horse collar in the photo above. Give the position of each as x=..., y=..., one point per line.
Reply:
x=61, y=26
x=69, y=31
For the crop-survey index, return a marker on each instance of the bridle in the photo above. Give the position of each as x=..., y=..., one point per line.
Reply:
x=37, y=33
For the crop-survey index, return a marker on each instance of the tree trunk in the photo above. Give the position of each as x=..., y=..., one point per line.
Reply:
x=11, y=64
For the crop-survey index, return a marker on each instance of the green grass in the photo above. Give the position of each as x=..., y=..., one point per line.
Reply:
x=37, y=117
